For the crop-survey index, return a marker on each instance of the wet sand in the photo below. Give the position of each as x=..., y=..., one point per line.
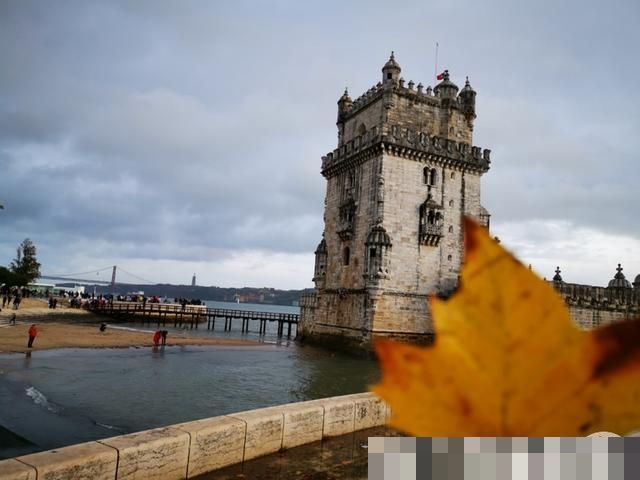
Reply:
x=74, y=328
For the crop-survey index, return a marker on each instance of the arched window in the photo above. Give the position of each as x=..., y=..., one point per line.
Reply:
x=351, y=180
x=362, y=129
x=429, y=176
x=432, y=177
x=346, y=256
x=450, y=229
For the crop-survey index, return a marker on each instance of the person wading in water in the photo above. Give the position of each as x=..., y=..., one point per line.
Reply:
x=33, y=331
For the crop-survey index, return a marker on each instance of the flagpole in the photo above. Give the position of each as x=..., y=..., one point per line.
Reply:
x=435, y=70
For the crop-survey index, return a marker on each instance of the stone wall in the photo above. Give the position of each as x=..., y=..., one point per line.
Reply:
x=190, y=449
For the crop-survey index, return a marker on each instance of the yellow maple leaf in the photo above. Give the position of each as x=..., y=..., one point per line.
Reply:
x=508, y=360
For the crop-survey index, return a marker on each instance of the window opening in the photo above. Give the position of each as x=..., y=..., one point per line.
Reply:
x=346, y=254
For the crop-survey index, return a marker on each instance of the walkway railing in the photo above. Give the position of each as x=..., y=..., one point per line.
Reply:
x=193, y=315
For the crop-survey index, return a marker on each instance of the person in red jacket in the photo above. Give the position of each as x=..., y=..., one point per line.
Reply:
x=156, y=338
x=33, y=331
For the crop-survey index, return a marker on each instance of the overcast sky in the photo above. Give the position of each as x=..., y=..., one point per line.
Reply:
x=179, y=137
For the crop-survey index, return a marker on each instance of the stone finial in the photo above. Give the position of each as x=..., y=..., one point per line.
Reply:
x=420, y=87
x=467, y=90
x=401, y=81
x=411, y=84
x=345, y=98
x=557, y=277
x=429, y=90
x=619, y=280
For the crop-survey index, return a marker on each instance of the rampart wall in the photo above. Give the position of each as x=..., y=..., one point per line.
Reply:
x=592, y=306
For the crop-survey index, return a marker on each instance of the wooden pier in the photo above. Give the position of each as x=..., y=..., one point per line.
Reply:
x=191, y=316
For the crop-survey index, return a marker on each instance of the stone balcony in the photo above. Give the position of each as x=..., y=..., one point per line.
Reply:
x=431, y=234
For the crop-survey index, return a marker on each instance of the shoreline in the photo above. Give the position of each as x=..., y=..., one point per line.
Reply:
x=59, y=335
x=74, y=328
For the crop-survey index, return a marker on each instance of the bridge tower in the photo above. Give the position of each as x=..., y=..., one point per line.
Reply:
x=398, y=184
x=113, y=279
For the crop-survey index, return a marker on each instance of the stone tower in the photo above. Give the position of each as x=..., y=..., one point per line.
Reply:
x=402, y=177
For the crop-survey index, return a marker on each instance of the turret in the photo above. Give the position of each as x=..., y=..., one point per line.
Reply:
x=391, y=71
x=557, y=278
x=619, y=281
x=344, y=104
x=320, y=268
x=446, y=89
x=468, y=101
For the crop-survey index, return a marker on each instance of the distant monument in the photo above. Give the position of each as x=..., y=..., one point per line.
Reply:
x=193, y=280
x=404, y=174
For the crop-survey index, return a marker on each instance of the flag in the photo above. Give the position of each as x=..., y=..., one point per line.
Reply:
x=440, y=76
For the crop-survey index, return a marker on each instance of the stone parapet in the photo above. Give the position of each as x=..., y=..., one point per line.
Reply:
x=15, y=470
x=90, y=460
x=407, y=142
x=215, y=443
x=263, y=434
x=303, y=423
x=161, y=453
x=601, y=298
x=187, y=450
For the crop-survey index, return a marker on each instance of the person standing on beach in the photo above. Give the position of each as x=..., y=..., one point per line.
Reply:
x=156, y=337
x=17, y=299
x=164, y=337
x=33, y=332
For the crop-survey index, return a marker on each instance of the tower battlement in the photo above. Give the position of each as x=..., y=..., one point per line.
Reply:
x=428, y=96
x=417, y=145
x=444, y=111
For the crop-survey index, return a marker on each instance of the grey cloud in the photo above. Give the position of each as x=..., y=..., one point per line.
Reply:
x=163, y=132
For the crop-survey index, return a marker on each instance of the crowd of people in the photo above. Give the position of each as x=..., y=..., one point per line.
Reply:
x=13, y=296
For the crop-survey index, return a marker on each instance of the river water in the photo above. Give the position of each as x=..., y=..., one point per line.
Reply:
x=60, y=397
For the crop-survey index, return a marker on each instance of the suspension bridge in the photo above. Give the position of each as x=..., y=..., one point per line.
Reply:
x=113, y=281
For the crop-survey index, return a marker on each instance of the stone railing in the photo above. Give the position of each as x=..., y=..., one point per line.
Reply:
x=187, y=450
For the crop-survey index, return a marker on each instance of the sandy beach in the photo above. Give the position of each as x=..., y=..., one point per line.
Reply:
x=74, y=328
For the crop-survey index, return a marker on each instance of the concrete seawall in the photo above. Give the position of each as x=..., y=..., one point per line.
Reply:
x=187, y=450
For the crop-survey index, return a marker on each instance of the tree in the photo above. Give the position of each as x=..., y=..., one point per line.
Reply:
x=8, y=278
x=26, y=266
